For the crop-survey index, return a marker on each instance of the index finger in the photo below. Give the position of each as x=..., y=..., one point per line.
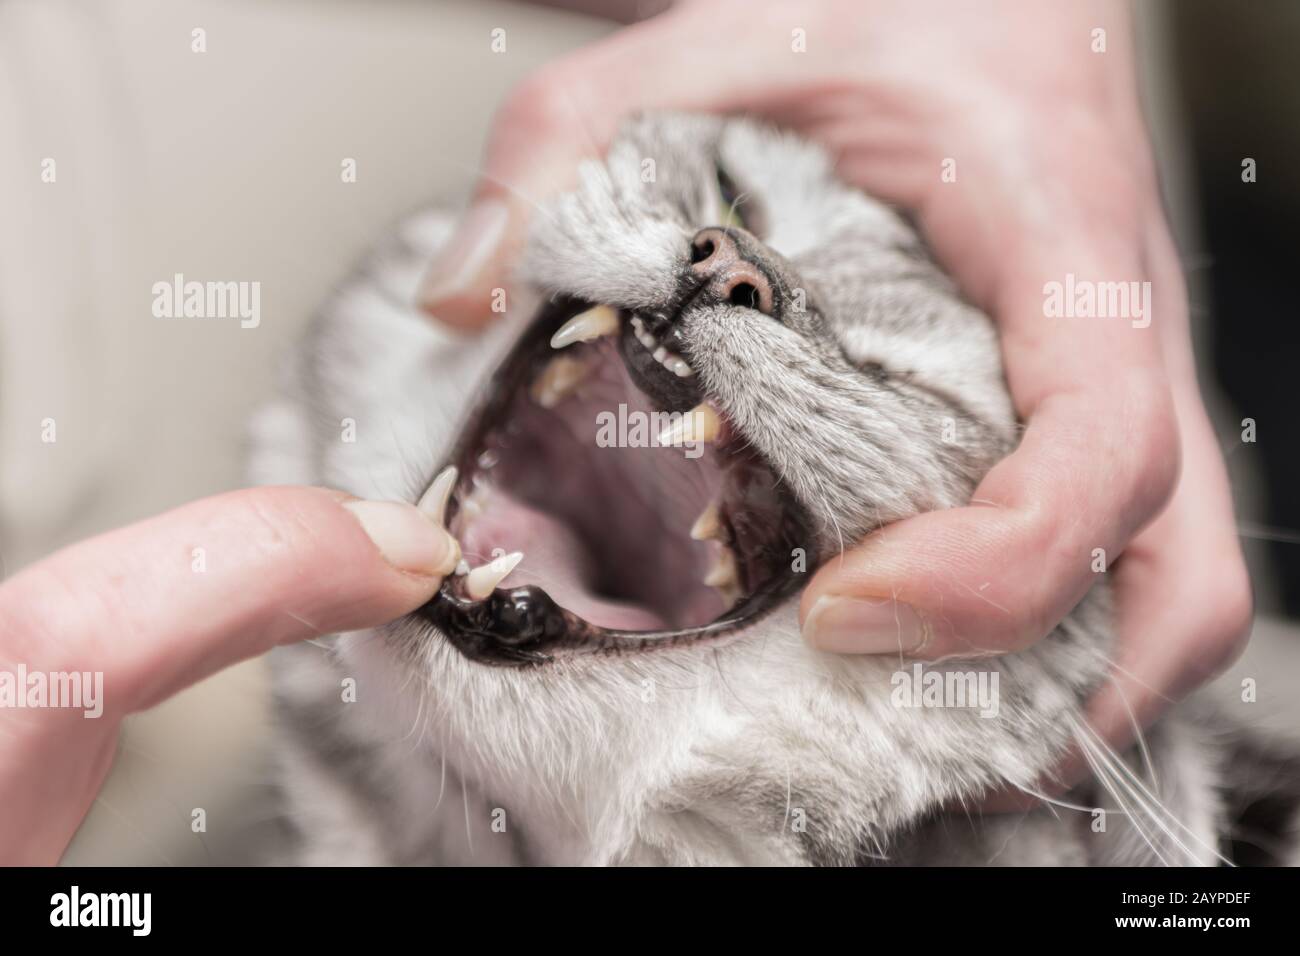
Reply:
x=161, y=604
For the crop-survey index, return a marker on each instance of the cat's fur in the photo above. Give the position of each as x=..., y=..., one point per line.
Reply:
x=756, y=749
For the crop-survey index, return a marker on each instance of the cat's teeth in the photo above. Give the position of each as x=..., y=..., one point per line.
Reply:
x=668, y=359
x=723, y=576
x=642, y=336
x=701, y=423
x=597, y=321
x=561, y=377
x=677, y=365
x=434, y=501
x=472, y=507
x=481, y=581
x=707, y=525
x=723, y=570
x=462, y=568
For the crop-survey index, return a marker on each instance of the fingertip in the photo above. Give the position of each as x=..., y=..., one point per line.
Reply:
x=930, y=588
x=466, y=310
x=849, y=624
x=406, y=539
x=459, y=286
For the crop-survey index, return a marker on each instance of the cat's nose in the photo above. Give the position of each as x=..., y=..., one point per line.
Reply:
x=729, y=276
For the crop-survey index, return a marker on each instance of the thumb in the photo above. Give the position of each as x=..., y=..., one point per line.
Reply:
x=998, y=574
x=537, y=140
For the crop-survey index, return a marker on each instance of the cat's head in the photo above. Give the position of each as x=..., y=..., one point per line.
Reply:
x=635, y=687
x=742, y=366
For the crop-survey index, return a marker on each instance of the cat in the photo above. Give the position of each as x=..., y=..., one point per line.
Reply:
x=815, y=376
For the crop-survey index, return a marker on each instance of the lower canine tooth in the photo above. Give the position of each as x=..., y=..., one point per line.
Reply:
x=707, y=525
x=562, y=375
x=585, y=326
x=724, y=578
x=481, y=581
x=723, y=572
x=701, y=423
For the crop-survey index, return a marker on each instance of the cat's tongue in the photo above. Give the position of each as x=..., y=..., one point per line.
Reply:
x=495, y=522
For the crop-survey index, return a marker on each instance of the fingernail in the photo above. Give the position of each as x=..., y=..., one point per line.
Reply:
x=844, y=625
x=406, y=538
x=468, y=250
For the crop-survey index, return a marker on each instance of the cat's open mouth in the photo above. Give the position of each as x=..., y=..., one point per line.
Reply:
x=602, y=503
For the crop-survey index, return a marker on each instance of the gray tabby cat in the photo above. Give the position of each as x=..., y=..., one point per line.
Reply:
x=730, y=367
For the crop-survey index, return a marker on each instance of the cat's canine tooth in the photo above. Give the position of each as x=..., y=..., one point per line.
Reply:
x=722, y=573
x=701, y=423
x=561, y=377
x=708, y=524
x=723, y=576
x=679, y=368
x=434, y=501
x=481, y=581
x=597, y=321
x=642, y=336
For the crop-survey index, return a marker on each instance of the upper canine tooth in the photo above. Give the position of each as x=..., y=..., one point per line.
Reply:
x=701, y=423
x=597, y=321
x=480, y=581
x=708, y=524
x=562, y=375
x=434, y=501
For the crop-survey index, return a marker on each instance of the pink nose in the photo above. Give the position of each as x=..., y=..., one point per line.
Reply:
x=727, y=275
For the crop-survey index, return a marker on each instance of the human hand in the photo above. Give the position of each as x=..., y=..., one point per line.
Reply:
x=142, y=608
x=1054, y=177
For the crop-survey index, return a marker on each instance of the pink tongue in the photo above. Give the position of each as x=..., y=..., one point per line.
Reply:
x=554, y=559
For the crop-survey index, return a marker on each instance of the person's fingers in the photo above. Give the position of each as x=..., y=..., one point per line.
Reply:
x=1180, y=622
x=163, y=603
x=998, y=574
x=160, y=604
x=1098, y=459
x=1182, y=593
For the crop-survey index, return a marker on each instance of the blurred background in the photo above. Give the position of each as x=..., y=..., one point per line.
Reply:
x=225, y=165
